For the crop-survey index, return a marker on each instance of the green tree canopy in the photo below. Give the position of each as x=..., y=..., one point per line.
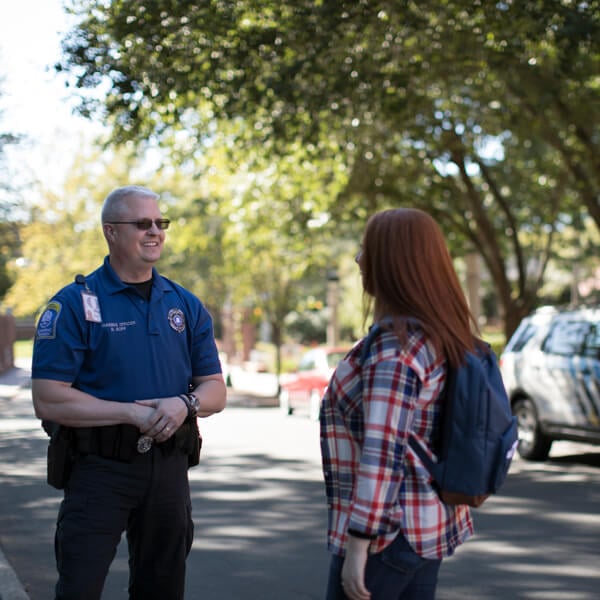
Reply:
x=485, y=114
x=63, y=235
x=9, y=226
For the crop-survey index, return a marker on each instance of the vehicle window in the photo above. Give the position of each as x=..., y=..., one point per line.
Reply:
x=307, y=362
x=522, y=337
x=592, y=342
x=566, y=337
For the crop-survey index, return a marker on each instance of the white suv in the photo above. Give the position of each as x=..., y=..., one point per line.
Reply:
x=551, y=370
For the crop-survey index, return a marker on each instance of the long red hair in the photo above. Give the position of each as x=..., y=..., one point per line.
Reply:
x=407, y=269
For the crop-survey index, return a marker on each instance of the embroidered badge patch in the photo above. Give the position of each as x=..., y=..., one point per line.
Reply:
x=176, y=320
x=46, y=329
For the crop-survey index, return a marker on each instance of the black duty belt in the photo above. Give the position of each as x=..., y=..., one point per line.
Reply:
x=120, y=442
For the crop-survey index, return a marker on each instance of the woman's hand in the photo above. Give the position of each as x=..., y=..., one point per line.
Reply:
x=353, y=571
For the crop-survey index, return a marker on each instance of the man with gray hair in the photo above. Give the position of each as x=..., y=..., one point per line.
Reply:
x=124, y=362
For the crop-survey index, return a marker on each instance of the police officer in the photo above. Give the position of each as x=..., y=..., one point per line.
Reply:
x=125, y=360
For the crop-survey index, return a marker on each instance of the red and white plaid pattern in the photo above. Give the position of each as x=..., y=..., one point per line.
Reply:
x=376, y=485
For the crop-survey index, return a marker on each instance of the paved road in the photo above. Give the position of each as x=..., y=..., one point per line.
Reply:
x=260, y=517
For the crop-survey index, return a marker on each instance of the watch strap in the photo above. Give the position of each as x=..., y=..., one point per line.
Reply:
x=188, y=404
x=194, y=403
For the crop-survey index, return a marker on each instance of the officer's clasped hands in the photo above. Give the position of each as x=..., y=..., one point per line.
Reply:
x=166, y=418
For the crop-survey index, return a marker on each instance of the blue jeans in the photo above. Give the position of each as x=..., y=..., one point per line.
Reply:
x=397, y=573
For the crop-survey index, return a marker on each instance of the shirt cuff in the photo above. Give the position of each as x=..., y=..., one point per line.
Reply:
x=361, y=535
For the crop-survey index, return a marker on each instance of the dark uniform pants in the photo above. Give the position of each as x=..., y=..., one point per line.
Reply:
x=149, y=498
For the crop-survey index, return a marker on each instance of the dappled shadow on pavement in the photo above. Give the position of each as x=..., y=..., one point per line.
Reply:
x=259, y=520
x=591, y=459
x=537, y=539
x=260, y=530
x=256, y=535
x=260, y=517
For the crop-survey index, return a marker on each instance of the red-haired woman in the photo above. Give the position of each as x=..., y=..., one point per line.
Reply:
x=388, y=529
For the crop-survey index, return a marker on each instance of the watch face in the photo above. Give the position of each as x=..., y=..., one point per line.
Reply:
x=194, y=402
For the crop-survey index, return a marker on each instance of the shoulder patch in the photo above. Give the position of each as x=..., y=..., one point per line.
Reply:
x=46, y=328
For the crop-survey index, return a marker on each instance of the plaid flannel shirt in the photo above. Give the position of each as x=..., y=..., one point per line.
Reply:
x=376, y=485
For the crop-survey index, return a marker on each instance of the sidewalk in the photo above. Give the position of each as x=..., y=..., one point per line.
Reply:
x=11, y=383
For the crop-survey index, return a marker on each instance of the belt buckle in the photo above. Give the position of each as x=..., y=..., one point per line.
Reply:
x=144, y=444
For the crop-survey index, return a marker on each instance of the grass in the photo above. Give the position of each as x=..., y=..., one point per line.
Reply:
x=496, y=340
x=23, y=348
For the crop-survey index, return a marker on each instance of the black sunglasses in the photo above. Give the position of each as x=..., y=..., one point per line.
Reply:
x=144, y=224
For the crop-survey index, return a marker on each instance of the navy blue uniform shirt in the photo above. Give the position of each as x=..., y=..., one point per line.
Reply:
x=140, y=349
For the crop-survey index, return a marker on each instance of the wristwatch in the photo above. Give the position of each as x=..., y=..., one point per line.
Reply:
x=194, y=404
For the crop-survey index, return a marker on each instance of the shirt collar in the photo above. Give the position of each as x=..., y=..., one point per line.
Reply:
x=113, y=284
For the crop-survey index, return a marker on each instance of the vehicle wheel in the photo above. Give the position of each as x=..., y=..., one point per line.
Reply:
x=314, y=409
x=284, y=402
x=533, y=444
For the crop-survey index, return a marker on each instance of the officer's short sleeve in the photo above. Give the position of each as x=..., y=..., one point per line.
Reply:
x=59, y=341
x=205, y=355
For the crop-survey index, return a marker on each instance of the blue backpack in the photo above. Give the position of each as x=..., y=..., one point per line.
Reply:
x=478, y=433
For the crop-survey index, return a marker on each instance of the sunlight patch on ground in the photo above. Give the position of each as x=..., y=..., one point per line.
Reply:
x=242, y=495
x=203, y=543
x=569, y=570
x=20, y=470
x=556, y=595
x=587, y=519
x=21, y=424
x=487, y=546
x=9, y=391
x=45, y=503
x=237, y=532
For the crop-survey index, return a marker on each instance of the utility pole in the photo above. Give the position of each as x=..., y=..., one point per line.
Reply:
x=333, y=285
x=474, y=284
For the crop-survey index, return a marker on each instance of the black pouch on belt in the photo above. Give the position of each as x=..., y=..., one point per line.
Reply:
x=195, y=441
x=61, y=456
x=189, y=440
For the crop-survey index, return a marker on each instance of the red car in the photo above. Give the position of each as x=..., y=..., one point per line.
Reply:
x=304, y=388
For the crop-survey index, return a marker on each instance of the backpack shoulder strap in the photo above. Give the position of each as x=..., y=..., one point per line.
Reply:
x=444, y=399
